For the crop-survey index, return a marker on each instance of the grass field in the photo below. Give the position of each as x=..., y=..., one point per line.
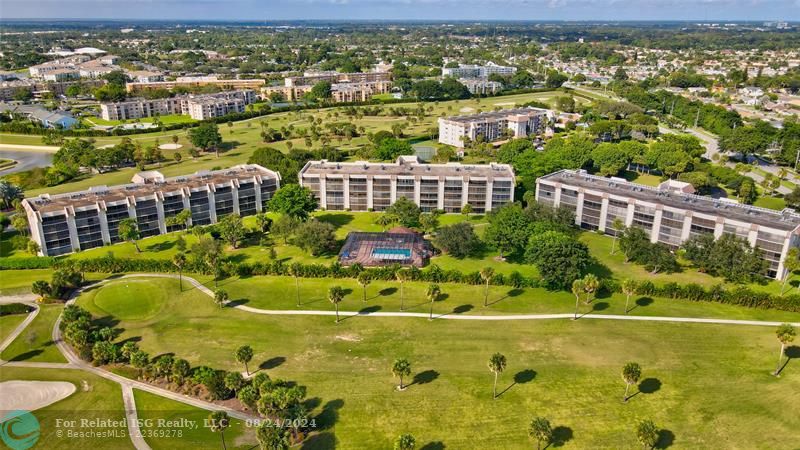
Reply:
x=9, y=323
x=166, y=120
x=20, y=281
x=36, y=343
x=154, y=410
x=775, y=203
x=95, y=399
x=705, y=385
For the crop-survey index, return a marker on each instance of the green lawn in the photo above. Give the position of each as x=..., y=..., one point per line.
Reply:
x=95, y=399
x=9, y=323
x=707, y=385
x=156, y=413
x=20, y=281
x=776, y=203
x=141, y=299
x=166, y=120
x=36, y=343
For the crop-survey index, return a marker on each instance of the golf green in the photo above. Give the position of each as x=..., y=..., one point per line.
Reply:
x=131, y=299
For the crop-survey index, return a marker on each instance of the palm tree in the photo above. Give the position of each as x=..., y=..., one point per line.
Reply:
x=590, y=285
x=497, y=363
x=272, y=437
x=617, y=225
x=244, y=355
x=385, y=219
x=220, y=297
x=629, y=287
x=647, y=433
x=785, y=334
x=219, y=422
x=335, y=295
x=294, y=270
x=364, y=280
x=179, y=260
x=486, y=275
x=577, y=290
x=630, y=375
x=402, y=276
x=405, y=442
x=432, y=293
x=128, y=230
x=401, y=368
x=791, y=264
x=540, y=430
x=4, y=222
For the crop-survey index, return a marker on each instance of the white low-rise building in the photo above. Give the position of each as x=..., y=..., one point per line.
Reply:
x=491, y=126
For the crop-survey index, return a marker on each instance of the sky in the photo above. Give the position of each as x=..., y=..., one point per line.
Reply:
x=591, y=10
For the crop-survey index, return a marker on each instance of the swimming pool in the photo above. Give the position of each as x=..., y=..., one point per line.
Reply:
x=391, y=253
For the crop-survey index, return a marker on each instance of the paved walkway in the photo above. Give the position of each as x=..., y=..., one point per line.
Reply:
x=132, y=417
x=454, y=316
x=17, y=331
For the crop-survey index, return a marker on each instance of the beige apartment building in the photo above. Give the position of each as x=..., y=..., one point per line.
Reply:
x=75, y=221
x=516, y=122
x=669, y=213
x=369, y=186
x=199, y=107
x=254, y=84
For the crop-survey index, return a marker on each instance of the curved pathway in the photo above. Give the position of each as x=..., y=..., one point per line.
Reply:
x=453, y=316
x=21, y=327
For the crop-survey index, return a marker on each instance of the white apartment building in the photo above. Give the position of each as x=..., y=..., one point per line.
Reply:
x=669, y=214
x=368, y=186
x=475, y=71
x=479, y=86
x=82, y=220
x=520, y=122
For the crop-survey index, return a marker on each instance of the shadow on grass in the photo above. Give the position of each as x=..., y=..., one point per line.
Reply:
x=237, y=302
x=337, y=220
x=596, y=306
x=641, y=302
x=329, y=415
x=387, y=291
x=369, y=309
x=791, y=352
x=160, y=247
x=665, y=439
x=649, y=385
x=425, y=377
x=272, y=363
x=27, y=355
x=320, y=441
x=561, y=435
x=437, y=445
x=463, y=309
x=521, y=377
x=516, y=292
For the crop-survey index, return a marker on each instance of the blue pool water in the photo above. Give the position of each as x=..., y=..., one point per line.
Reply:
x=392, y=253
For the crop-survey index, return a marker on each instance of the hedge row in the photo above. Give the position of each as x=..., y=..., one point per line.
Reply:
x=739, y=296
x=7, y=309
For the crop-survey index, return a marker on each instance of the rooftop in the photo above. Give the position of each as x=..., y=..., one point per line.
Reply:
x=502, y=114
x=145, y=184
x=787, y=219
x=408, y=166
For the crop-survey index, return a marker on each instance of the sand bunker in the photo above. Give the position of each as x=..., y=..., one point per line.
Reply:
x=170, y=146
x=467, y=109
x=505, y=104
x=32, y=395
x=107, y=146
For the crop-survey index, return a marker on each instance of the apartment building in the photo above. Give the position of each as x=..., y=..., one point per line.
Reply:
x=196, y=82
x=199, y=107
x=82, y=220
x=669, y=214
x=475, y=71
x=340, y=92
x=368, y=186
x=477, y=86
x=516, y=122
x=312, y=78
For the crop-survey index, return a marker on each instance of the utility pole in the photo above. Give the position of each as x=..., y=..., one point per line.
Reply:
x=697, y=117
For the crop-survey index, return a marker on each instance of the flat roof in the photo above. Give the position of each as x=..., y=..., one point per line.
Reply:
x=408, y=166
x=493, y=115
x=46, y=203
x=787, y=220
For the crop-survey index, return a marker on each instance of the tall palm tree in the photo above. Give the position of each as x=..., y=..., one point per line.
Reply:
x=590, y=285
x=577, y=290
x=364, y=280
x=618, y=225
x=540, y=430
x=497, y=364
x=294, y=270
x=219, y=422
x=179, y=260
x=785, y=334
x=335, y=295
x=401, y=368
x=433, y=293
x=244, y=355
x=402, y=276
x=629, y=287
x=486, y=275
x=630, y=375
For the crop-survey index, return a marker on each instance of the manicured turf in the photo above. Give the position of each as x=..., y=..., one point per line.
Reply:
x=164, y=418
x=95, y=399
x=707, y=385
x=9, y=323
x=775, y=203
x=36, y=342
x=14, y=282
x=131, y=299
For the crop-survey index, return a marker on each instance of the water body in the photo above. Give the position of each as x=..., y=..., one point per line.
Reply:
x=26, y=160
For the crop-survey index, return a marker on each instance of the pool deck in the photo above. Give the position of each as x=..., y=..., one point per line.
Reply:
x=361, y=248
